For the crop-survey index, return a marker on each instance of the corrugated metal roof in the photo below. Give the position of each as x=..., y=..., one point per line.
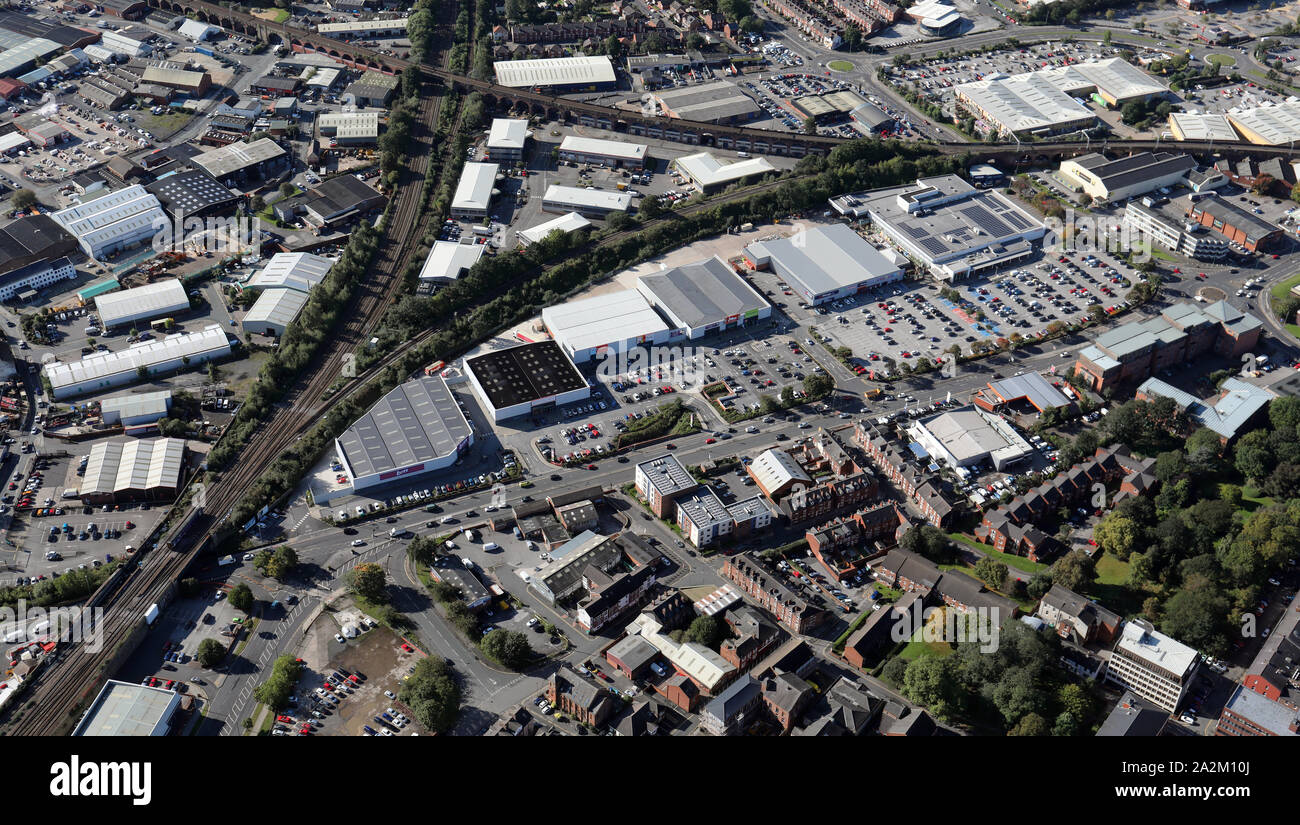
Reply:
x=103, y=365
x=142, y=303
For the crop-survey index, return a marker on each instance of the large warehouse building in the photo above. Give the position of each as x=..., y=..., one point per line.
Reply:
x=138, y=470
x=824, y=263
x=1137, y=174
x=302, y=271
x=121, y=220
x=951, y=227
x=558, y=74
x=1022, y=106
x=589, y=203
x=285, y=283
x=128, y=709
x=105, y=370
x=570, y=222
x=601, y=152
x=718, y=101
x=273, y=311
x=448, y=260
x=518, y=380
x=416, y=428
x=708, y=174
x=474, y=192
x=701, y=298
x=969, y=436
x=613, y=322
x=1268, y=125
x=143, y=304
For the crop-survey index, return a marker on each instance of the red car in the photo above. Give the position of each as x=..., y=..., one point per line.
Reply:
x=710, y=440
x=288, y=720
x=671, y=446
x=407, y=648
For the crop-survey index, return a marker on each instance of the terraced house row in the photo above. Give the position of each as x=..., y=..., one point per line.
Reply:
x=1010, y=527
x=891, y=459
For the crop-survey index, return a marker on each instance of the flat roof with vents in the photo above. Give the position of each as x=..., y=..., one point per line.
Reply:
x=526, y=373
x=667, y=475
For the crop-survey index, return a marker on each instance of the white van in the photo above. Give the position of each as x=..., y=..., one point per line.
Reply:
x=491, y=547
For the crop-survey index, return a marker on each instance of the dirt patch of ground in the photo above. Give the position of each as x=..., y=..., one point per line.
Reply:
x=378, y=657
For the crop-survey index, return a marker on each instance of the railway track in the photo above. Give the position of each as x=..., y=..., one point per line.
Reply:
x=73, y=676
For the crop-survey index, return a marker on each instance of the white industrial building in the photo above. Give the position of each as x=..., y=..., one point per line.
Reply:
x=1271, y=125
x=1136, y=174
x=474, y=192
x=969, y=436
x=198, y=32
x=824, y=263
x=160, y=299
x=1045, y=101
x=602, y=152
x=37, y=275
x=570, y=222
x=604, y=324
x=273, y=311
x=948, y=226
x=520, y=380
x=416, y=428
x=106, y=370
x=135, y=410
x=708, y=174
x=13, y=141
x=123, y=43
x=1196, y=126
x=559, y=74
x=590, y=203
x=704, y=297
x=448, y=260
x=128, y=709
x=393, y=27
x=302, y=271
x=350, y=128
x=132, y=470
x=120, y=220
x=507, y=139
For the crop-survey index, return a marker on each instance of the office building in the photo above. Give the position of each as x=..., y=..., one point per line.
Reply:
x=1156, y=667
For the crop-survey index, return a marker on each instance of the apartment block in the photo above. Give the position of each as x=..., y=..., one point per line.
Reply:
x=1152, y=665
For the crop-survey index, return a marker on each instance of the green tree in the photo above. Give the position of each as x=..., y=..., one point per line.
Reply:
x=509, y=647
x=278, y=563
x=929, y=681
x=256, y=204
x=1074, y=571
x=809, y=126
x=991, y=571
x=1031, y=725
x=210, y=652
x=1198, y=616
x=368, y=581
x=1117, y=535
x=709, y=631
x=241, y=597
x=1076, y=701
x=276, y=690
x=929, y=541
x=432, y=694
x=818, y=385
x=23, y=199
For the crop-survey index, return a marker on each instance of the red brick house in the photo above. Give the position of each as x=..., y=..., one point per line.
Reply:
x=681, y=691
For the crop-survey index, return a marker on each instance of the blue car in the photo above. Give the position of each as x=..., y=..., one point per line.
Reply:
x=369, y=730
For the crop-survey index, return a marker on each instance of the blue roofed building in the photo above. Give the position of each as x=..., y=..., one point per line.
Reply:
x=1238, y=405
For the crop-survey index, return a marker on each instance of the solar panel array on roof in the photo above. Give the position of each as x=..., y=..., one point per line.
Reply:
x=525, y=373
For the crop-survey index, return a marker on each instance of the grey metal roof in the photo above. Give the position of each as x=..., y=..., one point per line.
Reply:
x=418, y=421
x=1233, y=409
x=702, y=293
x=1136, y=168
x=128, y=709
x=1231, y=214
x=826, y=258
x=1033, y=387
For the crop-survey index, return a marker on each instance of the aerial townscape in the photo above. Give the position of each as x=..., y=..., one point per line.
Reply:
x=650, y=368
